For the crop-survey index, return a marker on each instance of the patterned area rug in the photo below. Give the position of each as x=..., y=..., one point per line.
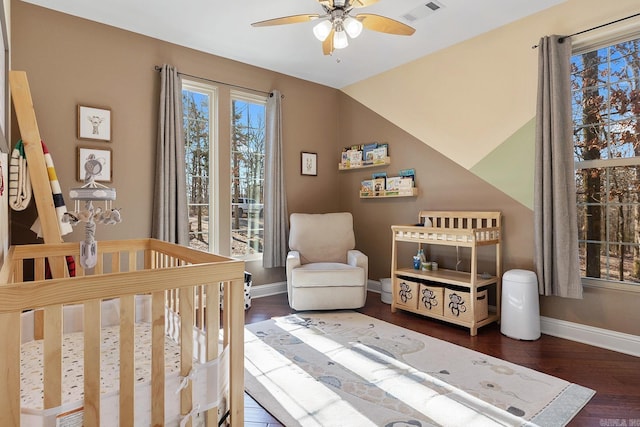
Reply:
x=348, y=369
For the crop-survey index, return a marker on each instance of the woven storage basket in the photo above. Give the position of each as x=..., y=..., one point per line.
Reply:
x=405, y=293
x=430, y=299
x=457, y=304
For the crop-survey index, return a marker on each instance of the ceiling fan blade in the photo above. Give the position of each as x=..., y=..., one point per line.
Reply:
x=362, y=3
x=294, y=19
x=384, y=24
x=327, y=44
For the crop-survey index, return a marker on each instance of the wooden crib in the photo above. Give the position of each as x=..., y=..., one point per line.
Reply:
x=177, y=280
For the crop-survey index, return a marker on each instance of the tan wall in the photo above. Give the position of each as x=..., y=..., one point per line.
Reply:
x=465, y=103
x=71, y=61
x=442, y=184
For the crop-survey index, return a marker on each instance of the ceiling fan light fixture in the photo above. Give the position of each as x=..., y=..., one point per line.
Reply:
x=352, y=26
x=340, y=40
x=322, y=30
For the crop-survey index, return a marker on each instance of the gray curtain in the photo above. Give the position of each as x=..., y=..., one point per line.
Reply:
x=170, y=217
x=555, y=220
x=276, y=221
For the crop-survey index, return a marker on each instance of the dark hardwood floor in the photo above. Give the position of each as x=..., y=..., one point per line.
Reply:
x=614, y=376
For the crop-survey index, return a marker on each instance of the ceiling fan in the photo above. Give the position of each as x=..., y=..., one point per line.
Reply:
x=336, y=23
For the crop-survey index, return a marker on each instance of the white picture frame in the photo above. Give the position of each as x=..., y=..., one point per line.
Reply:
x=94, y=123
x=309, y=163
x=103, y=155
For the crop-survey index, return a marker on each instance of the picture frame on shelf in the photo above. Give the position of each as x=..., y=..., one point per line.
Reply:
x=103, y=155
x=309, y=163
x=94, y=123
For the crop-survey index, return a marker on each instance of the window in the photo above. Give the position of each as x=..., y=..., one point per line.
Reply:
x=199, y=113
x=247, y=169
x=606, y=136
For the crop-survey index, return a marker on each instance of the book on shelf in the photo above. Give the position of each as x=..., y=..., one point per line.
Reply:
x=393, y=183
x=399, y=184
x=379, y=154
x=367, y=152
x=379, y=185
x=354, y=158
x=407, y=172
x=405, y=183
x=366, y=187
x=344, y=159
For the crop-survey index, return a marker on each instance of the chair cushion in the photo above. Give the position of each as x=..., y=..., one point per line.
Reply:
x=322, y=237
x=327, y=274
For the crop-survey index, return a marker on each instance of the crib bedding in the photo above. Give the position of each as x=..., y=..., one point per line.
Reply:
x=31, y=369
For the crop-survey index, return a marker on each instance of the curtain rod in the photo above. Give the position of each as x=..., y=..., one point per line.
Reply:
x=561, y=39
x=158, y=68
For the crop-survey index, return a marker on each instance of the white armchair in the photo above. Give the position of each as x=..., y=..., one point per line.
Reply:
x=324, y=270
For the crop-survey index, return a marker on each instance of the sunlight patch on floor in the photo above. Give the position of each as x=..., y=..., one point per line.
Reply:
x=455, y=407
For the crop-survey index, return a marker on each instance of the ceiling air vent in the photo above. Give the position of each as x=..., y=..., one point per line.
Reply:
x=425, y=9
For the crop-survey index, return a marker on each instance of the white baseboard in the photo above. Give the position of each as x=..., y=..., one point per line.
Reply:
x=281, y=288
x=268, y=289
x=598, y=337
x=374, y=286
x=611, y=340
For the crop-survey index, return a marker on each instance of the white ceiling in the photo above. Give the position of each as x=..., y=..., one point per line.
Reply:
x=223, y=28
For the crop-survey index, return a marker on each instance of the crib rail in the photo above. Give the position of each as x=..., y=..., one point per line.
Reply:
x=176, y=277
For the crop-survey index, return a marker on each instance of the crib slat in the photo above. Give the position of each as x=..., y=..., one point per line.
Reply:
x=38, y=324
x=115, y=262
x=39, y=269
x=186, y=347
x=133, y=264
x=19, y=272
x=212, y=328
x=99, y=268
x=92, y=363
x=53, y=356
x=157, y=359
x=236, y=351
x=127, y=359
x=10, y=369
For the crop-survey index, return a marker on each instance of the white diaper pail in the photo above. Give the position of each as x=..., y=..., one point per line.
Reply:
x=520, y=317
x=385, y=290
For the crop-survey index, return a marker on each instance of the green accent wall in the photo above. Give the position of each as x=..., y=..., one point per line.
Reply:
x=510, y=166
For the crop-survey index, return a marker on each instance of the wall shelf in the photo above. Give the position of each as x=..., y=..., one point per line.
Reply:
x=412, y=192
x=387, y=161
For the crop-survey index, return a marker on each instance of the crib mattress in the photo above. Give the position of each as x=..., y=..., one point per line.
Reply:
x=31, y=372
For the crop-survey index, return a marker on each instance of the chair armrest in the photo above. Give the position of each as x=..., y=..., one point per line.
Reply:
x=358, y=259
x=293, y=261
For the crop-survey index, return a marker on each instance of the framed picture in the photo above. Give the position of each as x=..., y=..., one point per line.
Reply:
x=96, y=161
x=309, y=164
x=94, y=123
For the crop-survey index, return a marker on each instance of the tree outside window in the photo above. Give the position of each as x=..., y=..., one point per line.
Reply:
x=247, y=180
x=197, y=133
x=606, y=138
